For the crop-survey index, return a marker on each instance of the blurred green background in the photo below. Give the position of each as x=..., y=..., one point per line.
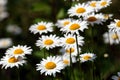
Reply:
x=27, y=12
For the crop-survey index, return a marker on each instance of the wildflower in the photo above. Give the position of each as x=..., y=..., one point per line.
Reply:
x=48, y=42
x=111, y=37
x=5, y=42
x=11, y=61
x=87, y=57
x=51, y=65
x=19, y=50
x=116, y=77
x=41, y=27
x=80, y=10
x=69, y=41
x=114, y=26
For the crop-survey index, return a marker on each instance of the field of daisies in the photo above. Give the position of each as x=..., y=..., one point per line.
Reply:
x=59, y=40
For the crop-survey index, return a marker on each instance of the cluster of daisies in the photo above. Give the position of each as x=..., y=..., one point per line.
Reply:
x=3, y=12
x=15, y=56
x=71, y=40
x=113, y=35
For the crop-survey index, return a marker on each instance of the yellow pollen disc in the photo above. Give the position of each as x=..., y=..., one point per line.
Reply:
x=71, y=50
x=50, y=65
x=114, y=36
x=103, y=3
x=92, y=19
x=66, y=23
x=48, y=42
x=12, y=60
x=41, y=27
x=80, y=10
x=65, y=61
x=70, y=40
x=87, y=57
x=18, y=51
x=93, y=4
x=106, y=16
x=118, y=24
x=74, y=26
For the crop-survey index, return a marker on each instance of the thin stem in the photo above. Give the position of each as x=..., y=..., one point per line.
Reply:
x=70, y=63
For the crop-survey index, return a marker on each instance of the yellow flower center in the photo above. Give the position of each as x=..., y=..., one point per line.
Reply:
x=92, y=19
x=50, y=65
x=12, y=60
x=66, y=23
x=70, y=40
x=41, y=27
x=87, y=57
x=65, y=61
x=18, y=51
x=118, y=24
x=103, y=3
x=48, y=42
x=106, y=16
x=80, y=10
x=74, y=26
x=93, y=4
x=114, y=36
x=71, y=50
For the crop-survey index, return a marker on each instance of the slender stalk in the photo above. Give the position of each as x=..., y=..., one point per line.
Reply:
x=18, y=73
x=70, y=63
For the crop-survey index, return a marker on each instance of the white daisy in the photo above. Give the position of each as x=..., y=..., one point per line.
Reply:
x=14, y=29
x=94, y=5
x=73, y=51
x=104, y=3
x=3, y=2
x=63, y=22
x=107, y=16
x=75, y=26
x=51, y=65
x=69, y=41
x=116, y=77
x=111, y=37
x=114, y=26
x=66, y=59
x=48, y=42
x=80, y=10
x=5, y=42
x=41, y=27
x=19, y=50
x=11, y=61
x=94, y=18
x=87, y=57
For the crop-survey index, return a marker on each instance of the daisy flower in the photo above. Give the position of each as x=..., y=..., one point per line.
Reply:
x=11, y=61
x=116, y=77
x=80, y=10
x=111, y=37
x=48, y=42
x=66, y=59
x=14, y=29
x=75, y=26
x=107, y=16
x=115, y=26
x=104, y=3
x=5, y=42
x=69, y=41
x=41, y=27
x=94, y=5
x=94, y=18
x=87, y=57
x=51, y=65
x=19, y=50
x=63, y=22
x=72, y=51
